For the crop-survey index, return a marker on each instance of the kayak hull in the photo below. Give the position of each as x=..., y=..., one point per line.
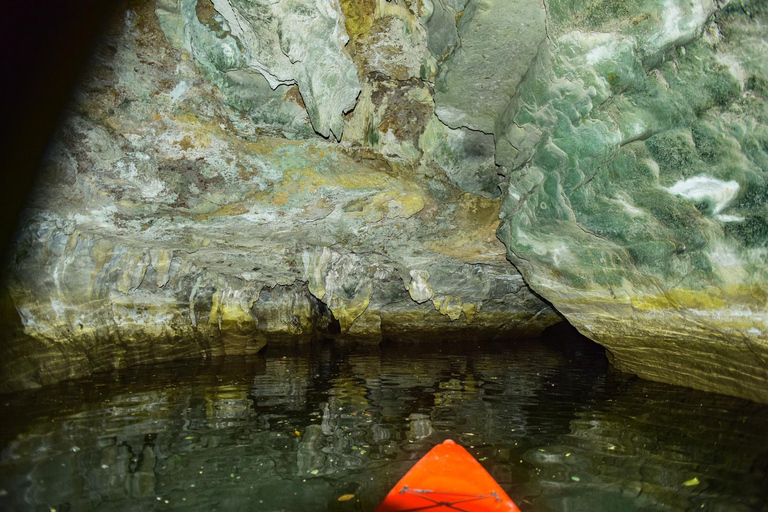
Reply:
x=447, y=478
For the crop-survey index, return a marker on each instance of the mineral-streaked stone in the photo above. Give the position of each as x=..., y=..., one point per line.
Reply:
x=441, y=25
x=389, y=47
x=171, y=221
x=637, y=205
x=194, y=200
x=466, y=155
x=499, y=39
x=288, y=42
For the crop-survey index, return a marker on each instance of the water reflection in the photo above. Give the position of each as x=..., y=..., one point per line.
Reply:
x=294, y=430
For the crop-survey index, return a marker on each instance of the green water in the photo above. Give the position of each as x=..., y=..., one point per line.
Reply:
x=295, y=429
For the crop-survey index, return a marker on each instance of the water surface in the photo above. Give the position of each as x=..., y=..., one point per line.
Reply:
x=295, y=429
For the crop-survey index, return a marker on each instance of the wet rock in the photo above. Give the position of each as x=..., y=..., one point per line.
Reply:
x=231, y=172
x=420, y=427
x=499, y=40
x=636, y=205
x=175, y=219
x=293, y=42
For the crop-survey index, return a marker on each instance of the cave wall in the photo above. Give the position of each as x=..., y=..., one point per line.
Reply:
x=196, y=201
x=638, y=203
x=233, y=171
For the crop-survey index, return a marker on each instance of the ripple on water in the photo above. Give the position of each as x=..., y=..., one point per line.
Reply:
x=295, y=430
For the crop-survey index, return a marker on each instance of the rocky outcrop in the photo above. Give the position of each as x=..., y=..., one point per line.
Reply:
x=297, y=167
x=241, y=44
x=497, y=44
x=186, y=207
x=638, y=202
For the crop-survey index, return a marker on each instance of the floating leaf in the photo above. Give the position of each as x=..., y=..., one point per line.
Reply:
x=314, y=472
x=575, y=478
x=297, y=432
x=346, y=497
x=482, y=458
x=690, y=483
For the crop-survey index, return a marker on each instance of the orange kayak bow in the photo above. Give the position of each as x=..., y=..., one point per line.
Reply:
x=447, y=479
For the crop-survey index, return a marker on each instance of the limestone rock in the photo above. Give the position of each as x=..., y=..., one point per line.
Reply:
x=637, y=201
x=232, y=172
x=467, y=156
x=288, y=42
x=173, y=219
x=498, y=41
x=441, y=26
x=389, y=47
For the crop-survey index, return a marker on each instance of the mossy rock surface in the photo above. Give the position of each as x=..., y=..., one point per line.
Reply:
x=639, y=211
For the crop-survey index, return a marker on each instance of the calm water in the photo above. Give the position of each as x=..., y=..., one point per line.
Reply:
x=296, y=429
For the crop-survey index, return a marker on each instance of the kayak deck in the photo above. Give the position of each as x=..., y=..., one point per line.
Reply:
x=446, y=479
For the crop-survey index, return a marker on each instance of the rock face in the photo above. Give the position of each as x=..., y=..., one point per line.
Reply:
x=240, y=44
x=638, y=205
x=231, y=170
x=191, y=202
x=497, y=43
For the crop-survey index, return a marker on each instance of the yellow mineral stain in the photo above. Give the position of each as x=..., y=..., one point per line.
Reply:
x=470, y=310
x=712, y=298
x=224, y=211
x=185, y=143
x=474, y=237
x=358, y=17
x=409, y=204
x=213, y=319
x=189, y=120
x=449, y=305
x=280, y=199
x=229, y=314
x=346, y=311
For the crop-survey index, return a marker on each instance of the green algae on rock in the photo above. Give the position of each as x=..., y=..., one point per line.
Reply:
x=638, y=205
x=291, y=42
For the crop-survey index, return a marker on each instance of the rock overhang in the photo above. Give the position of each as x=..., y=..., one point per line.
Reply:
x=347, y=155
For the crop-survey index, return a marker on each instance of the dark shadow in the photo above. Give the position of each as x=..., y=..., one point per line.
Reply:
x=44, y=45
